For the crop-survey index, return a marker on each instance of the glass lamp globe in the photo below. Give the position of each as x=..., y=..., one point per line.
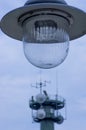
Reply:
x=45, y=43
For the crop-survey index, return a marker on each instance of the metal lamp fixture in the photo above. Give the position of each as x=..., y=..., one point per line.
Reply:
x=45, y=27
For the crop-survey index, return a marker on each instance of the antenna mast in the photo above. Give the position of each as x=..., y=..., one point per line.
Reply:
x=44, y=108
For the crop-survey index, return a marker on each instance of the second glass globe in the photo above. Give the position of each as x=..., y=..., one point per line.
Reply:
x=45, y=45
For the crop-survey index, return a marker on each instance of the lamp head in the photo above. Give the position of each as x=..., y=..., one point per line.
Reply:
x=45, y=26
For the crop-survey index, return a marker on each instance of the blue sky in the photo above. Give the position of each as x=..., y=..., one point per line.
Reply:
x=17, y=74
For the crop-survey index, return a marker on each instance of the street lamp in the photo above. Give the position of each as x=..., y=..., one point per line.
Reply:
x=45, y=27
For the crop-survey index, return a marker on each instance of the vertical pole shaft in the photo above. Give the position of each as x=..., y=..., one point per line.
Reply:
x=47, y=125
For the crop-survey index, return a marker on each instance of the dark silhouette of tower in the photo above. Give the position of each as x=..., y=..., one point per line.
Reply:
x=45, y=109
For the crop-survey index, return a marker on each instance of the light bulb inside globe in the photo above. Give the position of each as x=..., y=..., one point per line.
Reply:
x=45, y=44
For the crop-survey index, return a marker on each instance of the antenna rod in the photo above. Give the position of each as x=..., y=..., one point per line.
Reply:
x=56, y=82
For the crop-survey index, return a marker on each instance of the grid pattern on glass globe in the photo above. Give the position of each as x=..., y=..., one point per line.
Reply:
x=45, y=31
x=48, y=32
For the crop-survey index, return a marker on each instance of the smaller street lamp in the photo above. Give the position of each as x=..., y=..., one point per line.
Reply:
x=45, y=27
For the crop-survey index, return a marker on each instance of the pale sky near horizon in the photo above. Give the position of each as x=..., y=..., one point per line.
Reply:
x=17, y=74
